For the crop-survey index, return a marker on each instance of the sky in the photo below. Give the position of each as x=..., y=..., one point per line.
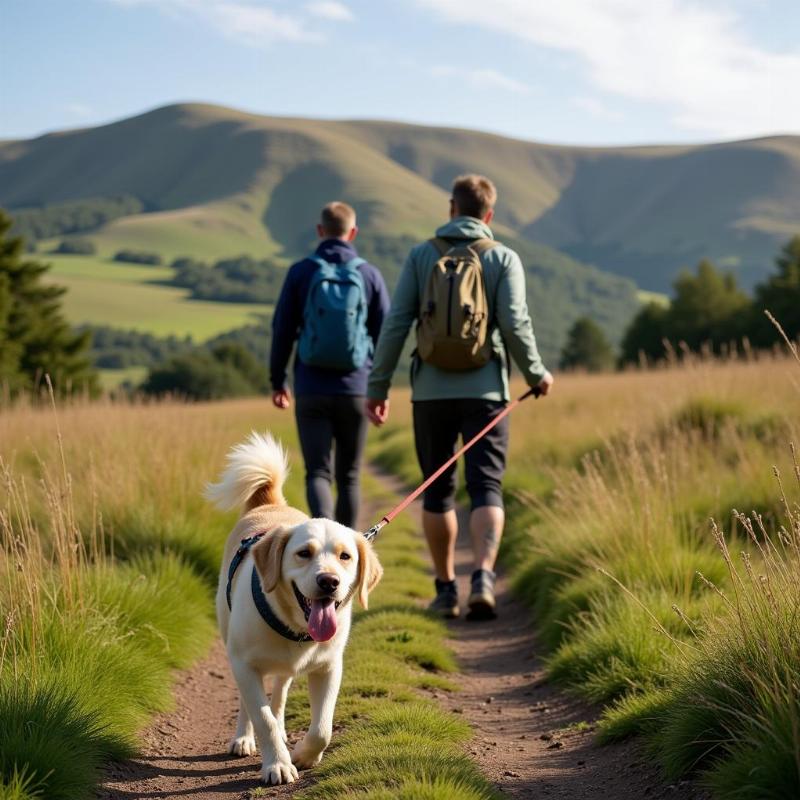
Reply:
x=561, y=71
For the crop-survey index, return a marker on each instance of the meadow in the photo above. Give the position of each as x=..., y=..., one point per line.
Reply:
x=127, y=296
x=684, y=630
x=654, y=530
x=110, y=558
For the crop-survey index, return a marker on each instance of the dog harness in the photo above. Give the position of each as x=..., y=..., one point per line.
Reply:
x=259, y=598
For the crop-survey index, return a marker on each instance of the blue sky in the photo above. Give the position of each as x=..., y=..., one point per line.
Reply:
x=566, y=71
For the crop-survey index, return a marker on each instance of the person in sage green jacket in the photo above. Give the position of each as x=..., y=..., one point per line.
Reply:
x=448, y=404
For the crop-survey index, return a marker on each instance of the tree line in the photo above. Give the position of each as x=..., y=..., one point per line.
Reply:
x=73, y=216
x=230, y=280
x=708, y=311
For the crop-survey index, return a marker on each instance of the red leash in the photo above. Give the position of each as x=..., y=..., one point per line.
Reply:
x=375, y=529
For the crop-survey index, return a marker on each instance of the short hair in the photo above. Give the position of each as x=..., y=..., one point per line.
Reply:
x=337, y=218
x=474, y=195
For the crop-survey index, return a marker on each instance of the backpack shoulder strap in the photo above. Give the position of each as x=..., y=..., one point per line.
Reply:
x=353, y=263
x=481, y=246
x=320, y=262
x=442, y=245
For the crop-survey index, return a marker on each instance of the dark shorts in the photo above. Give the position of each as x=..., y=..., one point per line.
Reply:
x=437, y=427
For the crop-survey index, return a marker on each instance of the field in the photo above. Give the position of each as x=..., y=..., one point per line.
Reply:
x=127, y=296
x=654, y=529
x=643, y=605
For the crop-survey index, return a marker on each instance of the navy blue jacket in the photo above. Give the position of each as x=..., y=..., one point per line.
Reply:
x=288, y=319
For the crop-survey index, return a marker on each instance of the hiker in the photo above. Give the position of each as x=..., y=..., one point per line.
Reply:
x=467, y=293
x=333, y=304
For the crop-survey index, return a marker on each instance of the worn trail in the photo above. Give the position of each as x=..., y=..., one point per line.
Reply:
x=531, y=739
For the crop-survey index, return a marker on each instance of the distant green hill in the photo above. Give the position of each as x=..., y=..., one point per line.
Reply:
x=214, y=181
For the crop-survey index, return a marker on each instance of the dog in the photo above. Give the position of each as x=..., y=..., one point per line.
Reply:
x=306, y=572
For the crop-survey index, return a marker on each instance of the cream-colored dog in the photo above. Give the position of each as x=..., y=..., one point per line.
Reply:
x=307, y=571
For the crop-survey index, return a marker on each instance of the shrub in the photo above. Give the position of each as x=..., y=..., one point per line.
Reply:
x=198, y=376
x=138, y=257
x=77, y=247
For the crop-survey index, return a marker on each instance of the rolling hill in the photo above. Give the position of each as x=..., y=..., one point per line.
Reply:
x=212, y=182
x=216, y=181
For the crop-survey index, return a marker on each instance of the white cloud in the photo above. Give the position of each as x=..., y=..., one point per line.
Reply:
x=693, y=59
x=78, y=110
x=595, y=107
x=249, y=23
x=481, y=78
x=330, y=9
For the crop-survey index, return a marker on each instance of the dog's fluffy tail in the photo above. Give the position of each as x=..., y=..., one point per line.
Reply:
x=254, y=476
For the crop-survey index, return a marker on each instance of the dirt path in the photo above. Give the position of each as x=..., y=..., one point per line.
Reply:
x=531, y=739
x=183, y=752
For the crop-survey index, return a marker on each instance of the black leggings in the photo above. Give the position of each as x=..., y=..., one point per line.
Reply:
x=325, y=422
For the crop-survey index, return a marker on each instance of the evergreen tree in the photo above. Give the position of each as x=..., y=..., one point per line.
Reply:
x=645, y=335
x=709, y=307
x=587, y=347
x=780, y=295
x=34, y=336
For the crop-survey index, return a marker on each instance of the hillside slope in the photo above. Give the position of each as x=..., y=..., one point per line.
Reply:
x=215, y=181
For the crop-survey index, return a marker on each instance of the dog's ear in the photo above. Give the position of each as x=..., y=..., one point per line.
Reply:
x=268, y=556
x=370, y=570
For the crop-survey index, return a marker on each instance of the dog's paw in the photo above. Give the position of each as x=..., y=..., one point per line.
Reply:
x=278, y=771
x=304, y=757
x=242, y=746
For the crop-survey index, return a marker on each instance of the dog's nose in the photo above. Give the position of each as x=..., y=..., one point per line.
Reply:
x=328, y=582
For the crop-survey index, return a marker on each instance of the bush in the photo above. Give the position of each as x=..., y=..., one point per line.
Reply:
x=198, y=376
x=138, y=257
x=114, y=348
x=76, y=247
x=587, y=347
x=232, y=280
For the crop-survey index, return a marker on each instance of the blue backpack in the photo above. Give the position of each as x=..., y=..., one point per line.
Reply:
x=334, y=333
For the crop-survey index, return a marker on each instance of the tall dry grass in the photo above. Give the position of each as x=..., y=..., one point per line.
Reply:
x=647, y=608
x=108, y=557
x=611, y=485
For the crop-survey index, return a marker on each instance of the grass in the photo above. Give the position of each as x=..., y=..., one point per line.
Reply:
x=611, y=484
x=620, y=567
x=640, y=605
x=103, y=292
x=119, y=558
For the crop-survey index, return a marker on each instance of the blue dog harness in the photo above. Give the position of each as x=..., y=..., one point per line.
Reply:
x=259, y=598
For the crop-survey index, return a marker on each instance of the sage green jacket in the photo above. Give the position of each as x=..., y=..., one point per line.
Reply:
x=508, y=308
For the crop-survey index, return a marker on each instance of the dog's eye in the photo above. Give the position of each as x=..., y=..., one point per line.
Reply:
x=306, y=553
x=345, y=556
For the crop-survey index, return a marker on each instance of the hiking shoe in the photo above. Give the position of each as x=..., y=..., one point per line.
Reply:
x=445, y=604
x=481, y=597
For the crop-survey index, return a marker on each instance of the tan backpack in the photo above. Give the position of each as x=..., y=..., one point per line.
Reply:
x=453, y=327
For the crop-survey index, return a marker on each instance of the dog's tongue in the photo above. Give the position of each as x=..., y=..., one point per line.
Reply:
x=322, y=620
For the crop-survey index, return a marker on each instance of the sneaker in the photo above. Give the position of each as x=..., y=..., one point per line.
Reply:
x=481, y=597
x=445, y=604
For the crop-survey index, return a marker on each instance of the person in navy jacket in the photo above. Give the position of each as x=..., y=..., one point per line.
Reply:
x=329, y=403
